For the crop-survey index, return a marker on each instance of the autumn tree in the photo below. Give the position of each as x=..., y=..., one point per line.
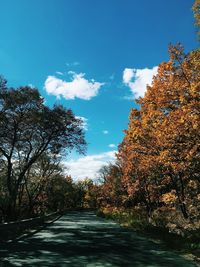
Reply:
x=159, y=156
x=137, y=155
x=110, y=187
x=35, y=183
x=160, y=151
x=175, y=94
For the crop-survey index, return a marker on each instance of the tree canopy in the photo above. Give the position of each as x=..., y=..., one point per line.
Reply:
x=29, y=130
x=159, y=158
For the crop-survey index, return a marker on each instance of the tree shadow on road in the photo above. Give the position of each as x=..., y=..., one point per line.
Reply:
x=82, y=239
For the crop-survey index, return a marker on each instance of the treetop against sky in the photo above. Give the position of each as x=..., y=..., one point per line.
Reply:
x=92, y=56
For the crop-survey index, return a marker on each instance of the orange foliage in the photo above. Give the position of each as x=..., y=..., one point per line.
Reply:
x=159, y=157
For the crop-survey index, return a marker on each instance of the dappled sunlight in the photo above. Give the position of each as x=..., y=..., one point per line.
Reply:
x=82, y=239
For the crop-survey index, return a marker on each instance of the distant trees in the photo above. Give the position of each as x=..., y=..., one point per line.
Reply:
x=159, y=157
x=61, y=193
x=32, y=135
x=86, y=193
x=33, y=191
x=111, y=187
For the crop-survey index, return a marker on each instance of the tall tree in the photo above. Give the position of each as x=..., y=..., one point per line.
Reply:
x=28, y=129
x=159, y=155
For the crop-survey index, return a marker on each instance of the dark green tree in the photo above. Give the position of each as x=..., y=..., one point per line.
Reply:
x=28, y=129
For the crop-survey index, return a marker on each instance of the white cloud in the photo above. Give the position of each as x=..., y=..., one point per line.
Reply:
x=75, y=63
x=84, y=122
x=137, y=79
x=105, y=132
x=112, y=145
x=31, y=85
x=88, y=166
x=59, y=73
x=128, y=75
x=78, y=87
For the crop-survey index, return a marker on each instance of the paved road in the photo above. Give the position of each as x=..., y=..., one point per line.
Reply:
x=82, y=239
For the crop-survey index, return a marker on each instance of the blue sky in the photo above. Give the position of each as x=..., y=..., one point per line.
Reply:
x=93, y=56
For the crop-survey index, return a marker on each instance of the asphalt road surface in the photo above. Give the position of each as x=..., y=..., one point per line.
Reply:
x=82, y=239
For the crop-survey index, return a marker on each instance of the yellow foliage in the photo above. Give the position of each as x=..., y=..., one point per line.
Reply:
x=169, y=198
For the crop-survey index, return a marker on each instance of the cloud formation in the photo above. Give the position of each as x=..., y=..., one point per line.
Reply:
x=137, y=79
x=78, y=87
x=84, y=122
x=59, y=73
x=88, y=166
x=112, y=145
x=72, y=64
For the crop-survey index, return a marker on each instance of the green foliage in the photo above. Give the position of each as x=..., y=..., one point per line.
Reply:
x=127, y=217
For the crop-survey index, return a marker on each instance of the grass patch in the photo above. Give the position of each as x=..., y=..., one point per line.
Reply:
x=138, y=221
